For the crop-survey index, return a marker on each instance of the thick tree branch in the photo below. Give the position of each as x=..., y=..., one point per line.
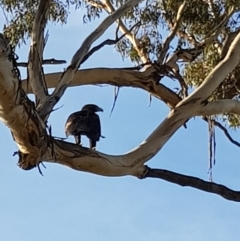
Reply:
x=68, y=75
x=35, y=71
x=229, y=38
x=116, y=77
x=220, y=107
x=17, y=111
x=219, y=73
x=195, y=182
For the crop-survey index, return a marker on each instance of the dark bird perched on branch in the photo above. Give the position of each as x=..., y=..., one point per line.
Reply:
x=85, y=122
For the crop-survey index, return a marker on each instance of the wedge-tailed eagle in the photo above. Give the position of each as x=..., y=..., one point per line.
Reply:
x=85, y=122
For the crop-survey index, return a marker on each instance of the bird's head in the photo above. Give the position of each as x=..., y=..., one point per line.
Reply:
x=92, y=108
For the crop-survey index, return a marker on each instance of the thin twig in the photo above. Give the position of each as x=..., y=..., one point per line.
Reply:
x=107, y=42
x=45, y=62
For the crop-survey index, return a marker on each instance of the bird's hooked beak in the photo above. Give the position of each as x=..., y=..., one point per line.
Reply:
x=100, y=109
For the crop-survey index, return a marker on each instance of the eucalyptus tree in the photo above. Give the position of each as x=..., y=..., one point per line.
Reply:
x=205, y=35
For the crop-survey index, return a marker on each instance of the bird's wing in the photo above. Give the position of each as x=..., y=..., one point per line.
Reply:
x=95, y=127
x=77, y=123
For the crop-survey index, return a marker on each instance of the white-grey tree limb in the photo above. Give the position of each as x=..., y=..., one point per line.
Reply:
x=116, y=77
x=35, y=70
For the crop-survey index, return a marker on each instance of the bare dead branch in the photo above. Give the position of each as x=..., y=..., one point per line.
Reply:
x=67, y=76
x=44, y=62
x=35, y=71
x=189, y=181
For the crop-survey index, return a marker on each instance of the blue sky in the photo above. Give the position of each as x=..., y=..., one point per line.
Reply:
x=70, y=205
